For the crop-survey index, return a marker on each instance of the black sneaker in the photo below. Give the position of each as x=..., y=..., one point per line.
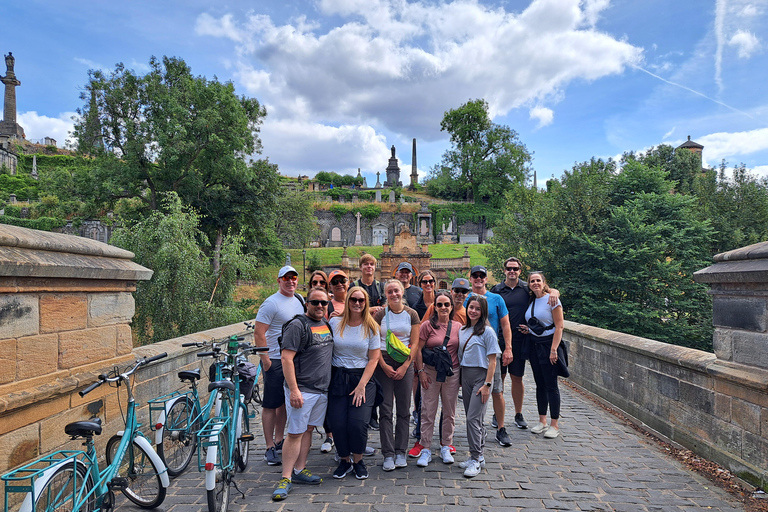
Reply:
x=279, y=446
x=373, y=424
x=272, y=458
x=344, y=468
x=520, y=421
x=502, y=437
x=361, y=472
x=494, y=423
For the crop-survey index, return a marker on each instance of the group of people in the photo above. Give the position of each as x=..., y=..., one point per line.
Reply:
x=350, y=348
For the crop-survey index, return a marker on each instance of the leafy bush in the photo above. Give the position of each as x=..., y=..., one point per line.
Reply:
x=42, y=224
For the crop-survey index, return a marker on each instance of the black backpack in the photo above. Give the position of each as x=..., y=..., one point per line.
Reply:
x=302, y=300
x=307, y=332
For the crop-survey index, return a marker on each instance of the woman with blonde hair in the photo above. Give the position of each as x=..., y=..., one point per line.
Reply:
x=353, y=391
x=395, y=377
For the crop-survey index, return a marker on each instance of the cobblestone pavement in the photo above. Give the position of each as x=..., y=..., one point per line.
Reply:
x=597, y=463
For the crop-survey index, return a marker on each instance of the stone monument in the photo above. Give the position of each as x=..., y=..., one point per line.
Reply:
x=414, y=172
x=393, y=172
x=378, y=182
x=358, y=239
x=9, y=126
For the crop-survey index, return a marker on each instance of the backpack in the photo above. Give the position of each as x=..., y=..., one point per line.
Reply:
x=307, y=333
x=379, y=286
x=302, y=300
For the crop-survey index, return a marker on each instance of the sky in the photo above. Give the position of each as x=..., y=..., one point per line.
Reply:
x=344, y=80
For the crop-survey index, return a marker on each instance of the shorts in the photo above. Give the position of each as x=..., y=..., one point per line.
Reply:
x=498, y=384
x=519, y=356
x=274, y=398
x=312, y=413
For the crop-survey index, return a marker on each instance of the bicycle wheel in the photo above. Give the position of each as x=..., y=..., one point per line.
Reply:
x=145, y=488
x=58, y=491
x=179, y=437
x=218, y=497
x=241, y=454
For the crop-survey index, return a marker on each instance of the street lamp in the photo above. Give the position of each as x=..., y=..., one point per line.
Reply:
x=304, y=265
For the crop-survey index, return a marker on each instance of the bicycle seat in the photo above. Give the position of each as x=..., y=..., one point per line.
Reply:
x=84, y=428
x=190, y=375
x=221, y=384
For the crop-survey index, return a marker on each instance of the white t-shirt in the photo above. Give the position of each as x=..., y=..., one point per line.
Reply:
x=399, y=323
x=274, y=312
x=351, y=349
x=474, y=350
x=543, y=311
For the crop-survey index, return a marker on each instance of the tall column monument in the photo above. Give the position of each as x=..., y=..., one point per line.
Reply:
x=9, y=126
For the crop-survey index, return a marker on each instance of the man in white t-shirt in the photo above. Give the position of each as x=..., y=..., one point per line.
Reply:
x=273, y=313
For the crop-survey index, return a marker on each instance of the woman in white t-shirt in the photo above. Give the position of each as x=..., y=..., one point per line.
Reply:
x=352, y=392
x=478, y=352
x=544, y=352
x=396, y=379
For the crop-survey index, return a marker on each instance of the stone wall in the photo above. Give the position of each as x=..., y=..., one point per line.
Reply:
x=717, y=409
x=347, y=225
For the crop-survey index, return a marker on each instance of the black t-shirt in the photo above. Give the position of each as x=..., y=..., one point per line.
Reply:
x=375, y=291
x=415, y=297
x=516, y=300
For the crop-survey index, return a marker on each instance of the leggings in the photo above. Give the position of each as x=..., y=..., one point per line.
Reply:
x=545, y=375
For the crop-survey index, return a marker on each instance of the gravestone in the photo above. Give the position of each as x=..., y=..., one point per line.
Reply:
x=336, y=235
x=391, y=196
x=378, y=196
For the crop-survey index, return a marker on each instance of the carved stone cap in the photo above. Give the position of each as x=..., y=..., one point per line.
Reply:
x=32, y=253
x=744, y=265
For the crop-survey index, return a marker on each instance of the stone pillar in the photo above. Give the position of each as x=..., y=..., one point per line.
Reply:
x=358, y=238
x=739, y=289
x=9, y=126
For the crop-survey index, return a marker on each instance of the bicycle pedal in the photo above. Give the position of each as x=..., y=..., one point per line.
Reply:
x=119, y=483
x=246, y=438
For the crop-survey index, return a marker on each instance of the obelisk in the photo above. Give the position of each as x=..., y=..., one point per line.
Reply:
x=414, y=173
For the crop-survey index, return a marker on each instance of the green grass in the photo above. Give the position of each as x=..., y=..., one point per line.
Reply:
x=332, y=255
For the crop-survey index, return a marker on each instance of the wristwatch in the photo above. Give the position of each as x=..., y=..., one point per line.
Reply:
x=488, y=384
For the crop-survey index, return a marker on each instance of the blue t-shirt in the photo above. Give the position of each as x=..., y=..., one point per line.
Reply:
x=497, y=309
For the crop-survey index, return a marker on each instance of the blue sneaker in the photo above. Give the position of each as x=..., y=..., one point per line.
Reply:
x=305, y=477
x=284, y=486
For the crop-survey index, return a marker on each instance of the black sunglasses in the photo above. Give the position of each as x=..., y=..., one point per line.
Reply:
x=316, y=302
x=356, y=300
x=477, y=275
x=336, y=282
x=443, y=305
x=320, y=283
x=428, y=281
x=512, y=269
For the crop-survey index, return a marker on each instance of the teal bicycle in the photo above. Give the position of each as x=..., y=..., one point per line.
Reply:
x=71, y=480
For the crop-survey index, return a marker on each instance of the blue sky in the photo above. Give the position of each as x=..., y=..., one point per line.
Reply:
x=343, y=80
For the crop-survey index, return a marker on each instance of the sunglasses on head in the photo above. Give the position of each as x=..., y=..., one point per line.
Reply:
x=443, y=305
x=316, y=302
x=336, y=282
x=512, y=269
x=428, y=281
x=290, y=278
x=356, y=300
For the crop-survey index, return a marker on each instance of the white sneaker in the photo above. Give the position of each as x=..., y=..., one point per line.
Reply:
x=400, y=461
x=552, y=433
x=465, y=464
x=327, y=445
x=369, y=451
x=539, y=428
x=389, y=464
x=424, y=459
x=473, y=468
x=445, y=453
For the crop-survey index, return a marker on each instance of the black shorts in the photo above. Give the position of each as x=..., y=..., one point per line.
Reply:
x=274, y=396
x=520, y=350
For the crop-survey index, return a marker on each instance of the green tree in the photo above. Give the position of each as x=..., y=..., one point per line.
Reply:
x=485, y=161
x=184, y=295
x=295, y=222
x=621, y=249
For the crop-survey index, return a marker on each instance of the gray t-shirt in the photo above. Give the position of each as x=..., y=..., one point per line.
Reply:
x=274, y=312
x=350, y=350
x=478, y=348
x=312, y=362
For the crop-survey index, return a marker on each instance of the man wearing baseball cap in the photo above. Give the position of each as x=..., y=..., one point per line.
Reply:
x=498, y=317
x=413, y=294
x=459, y=291
x=273, y=313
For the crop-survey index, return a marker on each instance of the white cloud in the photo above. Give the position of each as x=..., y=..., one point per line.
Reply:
x=761, y=170
x=668, y=134
x=37, y=127
x=543, y=115
x=398, y=66
x=746, y=43
x=728, y=146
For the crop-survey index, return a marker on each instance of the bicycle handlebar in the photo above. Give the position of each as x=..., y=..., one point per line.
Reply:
x=105, y=378
x=92, y=386
x=155, y=358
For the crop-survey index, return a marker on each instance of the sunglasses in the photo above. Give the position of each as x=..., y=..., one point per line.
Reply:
x=478, y=276
x=356, y=300
x=336, y=282
x=290, y=278
x=316, y=302
x=443, y=305
x=460, y=291
x=512, y=269
x=428, y=281
x=318, y=283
